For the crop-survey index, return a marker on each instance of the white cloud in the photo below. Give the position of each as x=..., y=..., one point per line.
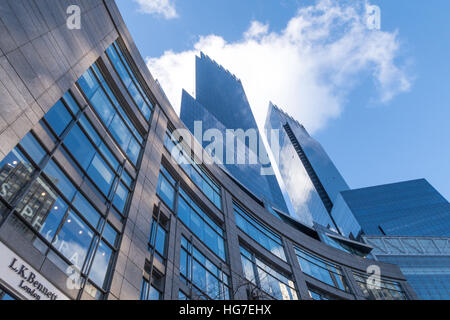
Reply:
x=256, y=30
x=165, y=8
x=307, y=69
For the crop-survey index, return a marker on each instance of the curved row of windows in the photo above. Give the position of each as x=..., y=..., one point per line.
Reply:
x=259, y=232
x=321, y=269
x=69, y=226
x=195, y=171
x=271, y=282
x=201, y=225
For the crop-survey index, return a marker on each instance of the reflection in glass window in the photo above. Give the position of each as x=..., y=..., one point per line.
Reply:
x=273, y=283
x=103, y=107
x=182, y=296
x=166, y=188
x=207, y=280
x=127, y=179
x=259, y=232
x=74, y=240
x=111, y=113
x=316, y=294
x=196, y=172
x=121, y=197
x=110, y=234
x=120, y=132
x=86, y=209
x=101, y=174
x=149, y=292
x=107, y=154
x=201, y=225
x=5, y=295
x=101, y=265
x=33, y=148
x=88, y=83
x=80, y=146
x=321, y=269
x=58, y=118
x=157, y=241
x=129, y=80
x=59, y=179
x=70, y=102
x=133, y=151
x=98, y=142
x=383, y=289
x=42, y=208
x=15, y=172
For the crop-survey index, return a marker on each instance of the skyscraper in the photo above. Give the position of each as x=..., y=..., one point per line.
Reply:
x=94, y=206
x=408, y=224
x=312, y=180
x=425, y=261
x=220, y=103
x=409, y=208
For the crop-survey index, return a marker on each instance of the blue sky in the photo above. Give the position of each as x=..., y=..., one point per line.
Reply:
x=378, y=127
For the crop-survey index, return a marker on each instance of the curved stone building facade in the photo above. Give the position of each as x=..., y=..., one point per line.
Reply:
x=93, y=204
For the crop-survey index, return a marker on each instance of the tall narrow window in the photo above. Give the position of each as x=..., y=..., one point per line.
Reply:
x=166, y=188
x=158, y=237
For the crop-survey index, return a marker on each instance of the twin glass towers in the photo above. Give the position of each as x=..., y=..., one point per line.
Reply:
x=411, y=215
x=312, y=181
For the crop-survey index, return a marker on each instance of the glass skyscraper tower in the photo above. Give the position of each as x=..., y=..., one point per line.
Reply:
x=405, y=223
x=410, y=208
x=312, y=180
x=408, y=224
x=221, y=104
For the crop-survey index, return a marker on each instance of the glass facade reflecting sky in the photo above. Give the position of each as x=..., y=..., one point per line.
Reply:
x=312, y=181
x=410, y=208
x=93, y=204
x=425, y=262
x=221, y=104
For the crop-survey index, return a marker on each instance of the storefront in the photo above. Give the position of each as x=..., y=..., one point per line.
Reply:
x=18, y=280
